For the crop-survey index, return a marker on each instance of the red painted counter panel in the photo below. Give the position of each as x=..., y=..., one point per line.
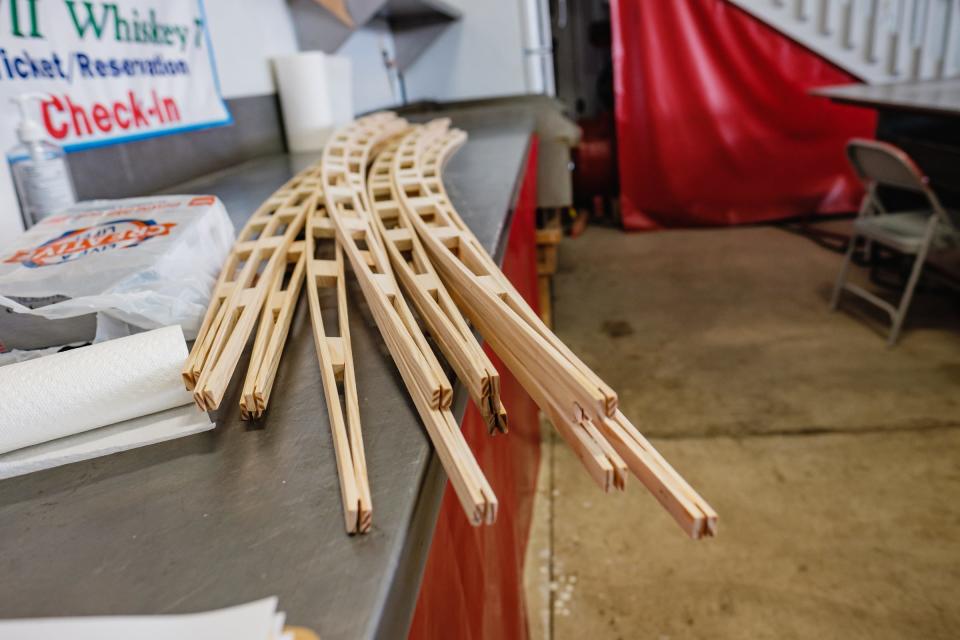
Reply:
x=473, y=582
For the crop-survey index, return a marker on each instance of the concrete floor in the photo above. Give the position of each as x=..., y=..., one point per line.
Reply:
x=833, y=461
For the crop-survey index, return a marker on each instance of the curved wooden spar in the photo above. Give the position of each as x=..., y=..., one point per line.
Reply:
x=272, y=333
x=345, y=159
x=343, y=168
x=243, y=286
x=246, y=286
x=325, y=272
x=578, y=402
x=423, y=286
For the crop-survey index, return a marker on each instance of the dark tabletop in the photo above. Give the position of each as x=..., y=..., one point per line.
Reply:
x=253, y=509
x=936, y=97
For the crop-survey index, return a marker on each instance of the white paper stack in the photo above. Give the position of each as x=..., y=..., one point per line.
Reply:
x=257, y=620
x=95, y=400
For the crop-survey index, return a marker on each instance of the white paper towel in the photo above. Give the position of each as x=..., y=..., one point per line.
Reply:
x=316, y=96
x=91, y=387
x=129, y=434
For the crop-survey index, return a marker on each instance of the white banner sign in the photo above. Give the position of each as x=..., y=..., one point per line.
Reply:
x=113, y=71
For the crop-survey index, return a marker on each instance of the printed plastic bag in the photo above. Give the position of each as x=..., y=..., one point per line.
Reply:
x=139, y=263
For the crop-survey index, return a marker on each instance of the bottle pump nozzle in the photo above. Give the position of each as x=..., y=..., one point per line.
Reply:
x=29, y=130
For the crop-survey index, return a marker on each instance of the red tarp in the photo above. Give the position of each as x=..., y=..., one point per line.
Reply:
x=714, y=122
x=473, y=583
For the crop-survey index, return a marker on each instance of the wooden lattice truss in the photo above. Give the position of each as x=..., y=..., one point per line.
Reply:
x=377, y=197
x=263, y=275
x=579, y=404
x=344, y=170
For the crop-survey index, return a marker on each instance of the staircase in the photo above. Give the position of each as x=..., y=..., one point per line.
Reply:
x=879, y=41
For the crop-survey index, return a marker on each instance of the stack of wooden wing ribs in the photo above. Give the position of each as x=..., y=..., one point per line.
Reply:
x=377, y=200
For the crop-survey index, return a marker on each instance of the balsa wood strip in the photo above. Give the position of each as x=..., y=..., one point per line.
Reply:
x=452, y=264
x=335, y=358
x=344, y=166
x=676, y=495
x=344, y=163
x=240, y=253
x=253, y=279
x=581, y=406
x=277, y=224
x=424, y=288
x=432, y=152
x=606, y=467
x=272, y=333
x=247, y=241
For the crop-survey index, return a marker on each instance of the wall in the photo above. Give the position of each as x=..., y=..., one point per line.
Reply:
x=480, y=55
x=245, y=35
x=373, y=86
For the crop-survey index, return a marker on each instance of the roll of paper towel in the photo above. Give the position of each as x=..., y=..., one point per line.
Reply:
x=316, y=97
x=91, y=387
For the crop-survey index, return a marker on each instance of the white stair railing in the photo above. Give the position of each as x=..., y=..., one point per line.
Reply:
x=878, y=41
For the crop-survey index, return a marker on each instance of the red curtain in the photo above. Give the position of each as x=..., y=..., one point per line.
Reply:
x=472, y=585
x=714, y=122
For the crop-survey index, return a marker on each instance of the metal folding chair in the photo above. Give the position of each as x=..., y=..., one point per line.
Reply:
x=912, y=232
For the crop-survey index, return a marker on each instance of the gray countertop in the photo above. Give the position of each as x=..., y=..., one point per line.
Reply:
x=253, y=509
x=937, y=97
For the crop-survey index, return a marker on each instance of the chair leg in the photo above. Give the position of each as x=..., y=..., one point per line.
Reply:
x=842, y=278
x=907, y=297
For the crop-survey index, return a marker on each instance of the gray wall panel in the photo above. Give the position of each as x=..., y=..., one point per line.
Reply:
x=146, y=166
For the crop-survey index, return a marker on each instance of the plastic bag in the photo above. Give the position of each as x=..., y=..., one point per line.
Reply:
x=138, y=263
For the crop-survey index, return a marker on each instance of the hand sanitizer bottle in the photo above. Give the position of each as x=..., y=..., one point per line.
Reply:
x=40, y=170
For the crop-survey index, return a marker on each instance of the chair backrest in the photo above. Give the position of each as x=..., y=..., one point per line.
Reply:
x=885, y=164
x=879, y=163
